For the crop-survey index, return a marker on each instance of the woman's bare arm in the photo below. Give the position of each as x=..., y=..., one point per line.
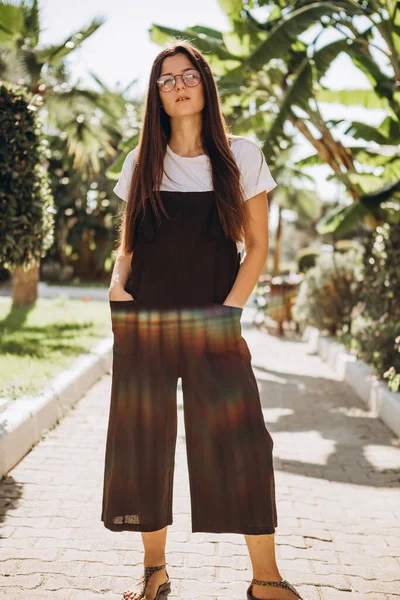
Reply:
x=119, y=277
x=256, y=247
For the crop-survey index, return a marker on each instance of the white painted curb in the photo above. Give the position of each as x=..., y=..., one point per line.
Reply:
x=23, y=421
x=382, y=402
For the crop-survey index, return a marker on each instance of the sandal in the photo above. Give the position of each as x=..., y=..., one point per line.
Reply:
x=163, y=590
x=283, y=583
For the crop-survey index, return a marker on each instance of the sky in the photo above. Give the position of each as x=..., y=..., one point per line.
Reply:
x=121, y=50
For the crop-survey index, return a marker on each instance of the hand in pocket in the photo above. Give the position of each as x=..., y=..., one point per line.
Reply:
x=119, y=294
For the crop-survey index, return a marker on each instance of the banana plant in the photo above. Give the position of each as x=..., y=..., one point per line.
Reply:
x=270, y=80
x=293, y=196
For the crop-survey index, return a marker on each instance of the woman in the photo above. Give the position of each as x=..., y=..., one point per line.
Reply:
x=176, y=296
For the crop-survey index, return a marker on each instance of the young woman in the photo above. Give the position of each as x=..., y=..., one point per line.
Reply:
x=194, y=194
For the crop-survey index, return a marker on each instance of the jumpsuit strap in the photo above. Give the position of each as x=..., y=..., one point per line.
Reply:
x=148, y=226
x=215, y=226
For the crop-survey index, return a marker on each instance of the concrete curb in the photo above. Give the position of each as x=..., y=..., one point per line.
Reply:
x=382, y=402
x=23, y=421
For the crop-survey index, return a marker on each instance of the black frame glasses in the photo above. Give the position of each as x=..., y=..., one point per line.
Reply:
x=190, y=76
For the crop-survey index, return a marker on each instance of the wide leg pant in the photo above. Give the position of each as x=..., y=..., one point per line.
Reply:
x=229, y=449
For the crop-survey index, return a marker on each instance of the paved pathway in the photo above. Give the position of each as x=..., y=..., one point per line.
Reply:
x=337, y=475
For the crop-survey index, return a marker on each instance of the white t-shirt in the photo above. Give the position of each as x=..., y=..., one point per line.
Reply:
x=193, y=173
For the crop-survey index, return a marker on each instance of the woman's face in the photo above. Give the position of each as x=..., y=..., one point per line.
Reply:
x=175, y=65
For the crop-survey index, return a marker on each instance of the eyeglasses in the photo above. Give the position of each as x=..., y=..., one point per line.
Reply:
x=190, y=78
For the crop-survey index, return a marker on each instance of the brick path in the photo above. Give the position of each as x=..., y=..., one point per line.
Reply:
x=337, y=479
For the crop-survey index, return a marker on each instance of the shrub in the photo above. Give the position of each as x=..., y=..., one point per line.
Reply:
x=306, y=258
x=26, y=202
x=391, y=374
x=329, y=291
x=375, y=324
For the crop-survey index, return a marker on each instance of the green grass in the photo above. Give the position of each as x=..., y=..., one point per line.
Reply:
x=36, y=343
x=78, y=283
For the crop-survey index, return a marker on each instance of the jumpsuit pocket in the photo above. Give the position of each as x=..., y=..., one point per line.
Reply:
x=227, y=307
x=232, y=308
x=123, y=324
x=120, y=304
x=224, y=329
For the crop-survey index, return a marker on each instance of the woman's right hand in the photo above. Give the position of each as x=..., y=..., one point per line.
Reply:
x=117, y=292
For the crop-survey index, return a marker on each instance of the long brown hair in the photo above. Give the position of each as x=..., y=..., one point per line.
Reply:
x=153, y=139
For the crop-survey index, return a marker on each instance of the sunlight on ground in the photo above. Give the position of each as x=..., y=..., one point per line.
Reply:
x=382, y=457
x=301, y=445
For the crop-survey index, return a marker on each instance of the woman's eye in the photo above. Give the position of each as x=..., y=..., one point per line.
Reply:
x=192, y=76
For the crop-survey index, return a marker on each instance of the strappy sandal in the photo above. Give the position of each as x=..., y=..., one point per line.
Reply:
x=163, y=590
x=283, y=584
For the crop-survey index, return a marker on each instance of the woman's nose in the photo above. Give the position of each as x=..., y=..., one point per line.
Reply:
x=177, y=83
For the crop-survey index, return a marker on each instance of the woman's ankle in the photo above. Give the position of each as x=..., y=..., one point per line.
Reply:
x=263, y=575
x=154, y=560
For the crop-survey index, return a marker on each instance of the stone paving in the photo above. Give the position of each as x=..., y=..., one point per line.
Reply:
x=337, y=484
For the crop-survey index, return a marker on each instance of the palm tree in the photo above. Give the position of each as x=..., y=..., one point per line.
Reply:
x=41, y=70
x=87, y=227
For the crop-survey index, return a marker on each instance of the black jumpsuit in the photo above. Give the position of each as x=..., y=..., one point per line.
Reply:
x=177, y=326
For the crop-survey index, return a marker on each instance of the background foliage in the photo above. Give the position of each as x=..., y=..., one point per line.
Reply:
x=26, y=201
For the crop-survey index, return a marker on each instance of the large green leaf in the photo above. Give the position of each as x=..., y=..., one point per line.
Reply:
x=366, y=98
x=220, y=59
x=254, y=122
x=366, y=132
x=114, y=170
x=341, y=221
x=347, y=218
x=391, y=129
x=233, y=79
x=375, y=156
x=310, y=161
x=374, y=199
x=298, y=93
x=391, y=171
x=214, y=33
x=291, y=25
x=324, y=57
x=362, y=58
x=160, y=35
x=396, y=40
x=232, y=8
x=365, y=182
x=12, y=23
x=243, y=38
x=240, y=45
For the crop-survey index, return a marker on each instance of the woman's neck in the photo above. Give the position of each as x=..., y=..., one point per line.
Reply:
x=186, y=138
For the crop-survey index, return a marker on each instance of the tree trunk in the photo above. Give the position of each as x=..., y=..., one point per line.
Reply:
x=278, y=244
x=24, y=286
